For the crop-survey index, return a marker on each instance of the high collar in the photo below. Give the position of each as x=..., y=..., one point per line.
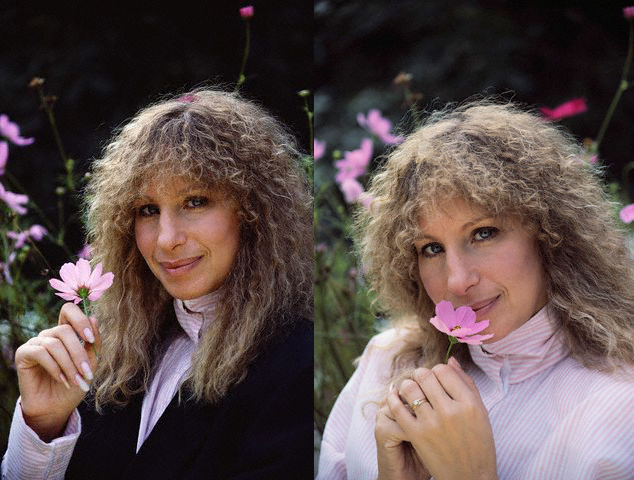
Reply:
x=196, y=314
x=534, y=347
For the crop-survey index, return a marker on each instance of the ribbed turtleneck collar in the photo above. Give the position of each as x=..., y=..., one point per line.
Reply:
x=527, y=351
x=196, y=314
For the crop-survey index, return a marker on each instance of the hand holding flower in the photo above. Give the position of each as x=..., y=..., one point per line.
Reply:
x=449, y=426
x=56, y=367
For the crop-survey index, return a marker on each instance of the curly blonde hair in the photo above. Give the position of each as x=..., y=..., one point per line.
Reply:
x=223, y=142
x=506, y=161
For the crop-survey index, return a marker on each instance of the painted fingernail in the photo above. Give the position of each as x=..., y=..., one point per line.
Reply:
x=88, y=334
x=83, y=385
x=64, y=381
x=87, y=371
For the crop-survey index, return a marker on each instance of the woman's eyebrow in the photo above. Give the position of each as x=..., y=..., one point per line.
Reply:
x=467, y=226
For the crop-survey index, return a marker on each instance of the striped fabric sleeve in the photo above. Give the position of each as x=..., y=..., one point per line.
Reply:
x=28, y=457
x=595, y=441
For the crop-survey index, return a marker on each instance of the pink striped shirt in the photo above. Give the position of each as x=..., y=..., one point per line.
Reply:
x=551, y=417
x=28, y=457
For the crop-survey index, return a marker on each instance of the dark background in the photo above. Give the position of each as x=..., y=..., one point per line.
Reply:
x=104, y=62
x=546, y=52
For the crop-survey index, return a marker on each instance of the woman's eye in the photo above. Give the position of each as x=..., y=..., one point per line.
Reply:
x=485, y=233
x=195, y=202
x=431, y=249
x=147, y=210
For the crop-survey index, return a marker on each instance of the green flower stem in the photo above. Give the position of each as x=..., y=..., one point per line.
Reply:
x=623, y=85
x=242, y=78
x=68, y=163
x=452, y=342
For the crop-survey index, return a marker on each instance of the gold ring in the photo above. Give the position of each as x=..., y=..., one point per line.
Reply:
x=418, y=403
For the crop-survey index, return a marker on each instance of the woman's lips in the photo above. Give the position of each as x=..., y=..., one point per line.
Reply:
x=180, y=267
x=481, y=308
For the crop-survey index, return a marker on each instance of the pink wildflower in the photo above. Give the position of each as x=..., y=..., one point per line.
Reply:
x=628, y=12
x=379, y=125
x=80, y=283
x=355, y=162
x=36, y=232
x=4, y=266
x=627, y=213
x=12, y=132
x=351, y=189
x=319, y=149
x=85, y=252
x=567, y=109
x=247, y=12
x=460, y=325
x=4, y=155
x=15, y=201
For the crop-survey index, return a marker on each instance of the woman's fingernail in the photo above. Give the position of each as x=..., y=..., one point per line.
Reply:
x=391, y=386
x=87, y=371
x=64, y=381
x=80, y=382
x=88, y=334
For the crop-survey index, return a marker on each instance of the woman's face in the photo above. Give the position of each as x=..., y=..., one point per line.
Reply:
x=188, y=235
x=488, y=263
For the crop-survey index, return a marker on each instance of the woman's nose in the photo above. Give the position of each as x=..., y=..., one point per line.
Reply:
x=170, y=232
x=462, y=273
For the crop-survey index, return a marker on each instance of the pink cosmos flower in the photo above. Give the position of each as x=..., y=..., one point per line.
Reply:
x=628, y=12
x=80, y=283
x=460, y=325
x=355, y=163
x=627, y=213
x=247, y=12
x=11, y=132
x=4, y=155
x=379, y=125
x=15, y=201
x=85, y=252
x=319, y=149
x=567, y=109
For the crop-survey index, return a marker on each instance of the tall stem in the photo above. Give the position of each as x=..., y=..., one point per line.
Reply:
x=623, y=85
x=241, y=77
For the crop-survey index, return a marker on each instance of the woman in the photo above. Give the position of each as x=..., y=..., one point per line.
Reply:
x=491, y=207
x=199, y=356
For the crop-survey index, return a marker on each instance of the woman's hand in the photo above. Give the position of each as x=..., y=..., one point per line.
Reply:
x=450, y=429
x=54, y=370
x=396, y=458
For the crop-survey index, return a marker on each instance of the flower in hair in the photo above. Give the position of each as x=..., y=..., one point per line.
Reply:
x=459, y=324
x=186, y=98
x=80, y=283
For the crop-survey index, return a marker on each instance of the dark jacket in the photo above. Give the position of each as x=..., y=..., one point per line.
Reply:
x=263, y=429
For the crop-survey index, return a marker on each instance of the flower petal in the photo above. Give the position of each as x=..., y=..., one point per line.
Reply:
x=474, y=339
x=445, y=311
x=61, y=286
x=69, y=297
x=465, y=316
x=83, y=271
x=95, y=276
x=440, y=325
x=475, y=328
x=68, y=272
